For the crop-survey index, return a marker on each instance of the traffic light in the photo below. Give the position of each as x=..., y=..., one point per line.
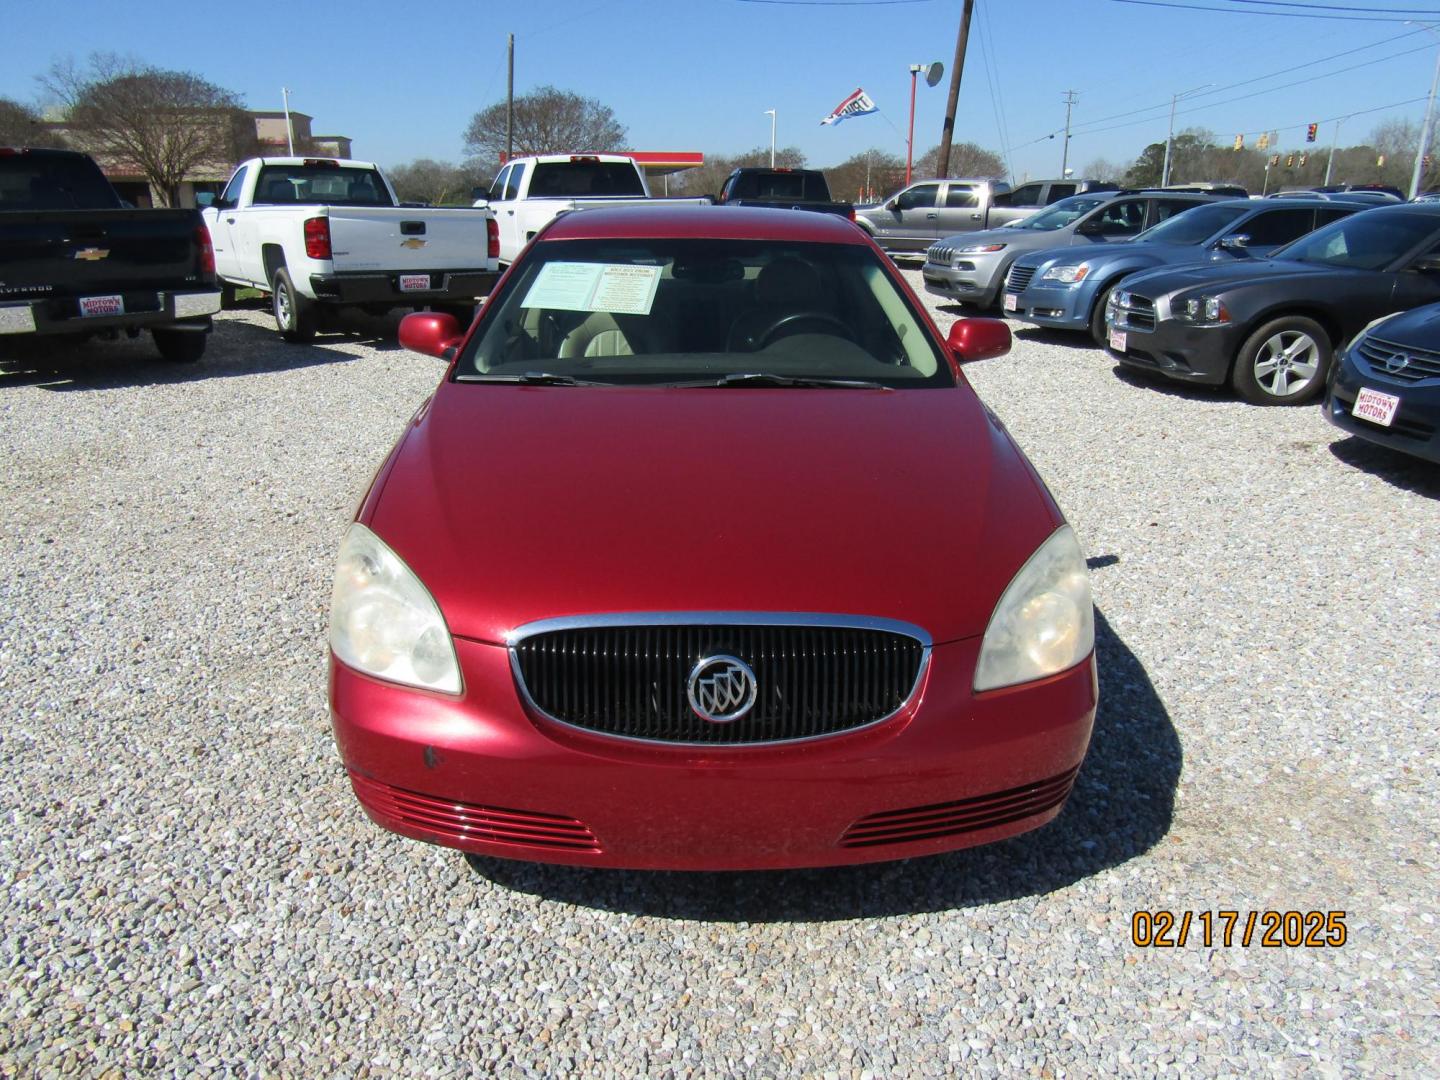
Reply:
x=1290, y=162
x=1304, y=158
x=1263, y=143
x=1310, y=132
x=1274, y=160
x=1380, y=162
x=1239, y=142
x=1426, y=161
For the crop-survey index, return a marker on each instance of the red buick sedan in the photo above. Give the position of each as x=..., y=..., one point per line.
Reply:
x=704, y=555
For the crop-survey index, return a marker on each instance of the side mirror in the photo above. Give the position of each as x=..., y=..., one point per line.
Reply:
x=478, y=193
x=973, y=339
x=218, y=203
x=1238, y=242
x=431, y=333
x=1426, y=264
x=893, y=204
x=1093, y=227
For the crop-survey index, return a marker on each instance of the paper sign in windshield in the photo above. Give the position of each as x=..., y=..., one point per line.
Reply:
x=624, y=290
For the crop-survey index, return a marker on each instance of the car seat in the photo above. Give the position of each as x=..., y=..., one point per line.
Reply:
x=787, y=286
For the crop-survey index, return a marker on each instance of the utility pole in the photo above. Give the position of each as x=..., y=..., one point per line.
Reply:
x=1330, y=165
x=947, y=133
x=771, y=113
x=510, y=104
x=1170, y=136
x=289, y=128
x=1071, y=97
x=1425, y=132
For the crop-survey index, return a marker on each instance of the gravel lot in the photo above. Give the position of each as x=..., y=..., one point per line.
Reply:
x=192, y=890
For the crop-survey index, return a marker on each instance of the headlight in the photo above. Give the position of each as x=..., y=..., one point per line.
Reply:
x=977, y=249
x=1045, y=620
x=384, y=622
x=1199, y=310
x=1070, y=275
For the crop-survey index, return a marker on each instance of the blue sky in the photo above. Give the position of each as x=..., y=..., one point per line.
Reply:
x=403, y=80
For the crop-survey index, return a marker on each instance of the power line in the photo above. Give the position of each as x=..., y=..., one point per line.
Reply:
x=1273, y=14
x=1309, y=6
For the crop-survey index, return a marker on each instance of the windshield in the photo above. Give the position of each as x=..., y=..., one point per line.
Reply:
x=688, y=310
x=1192, y=227
x=1061, y=213
x=1367, y=241
x=330, y=185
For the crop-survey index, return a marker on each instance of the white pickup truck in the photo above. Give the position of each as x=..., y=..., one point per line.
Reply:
x=531, y=191
x=322, y=232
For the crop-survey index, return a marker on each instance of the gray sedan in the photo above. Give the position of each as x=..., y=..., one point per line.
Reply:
x=971, y=267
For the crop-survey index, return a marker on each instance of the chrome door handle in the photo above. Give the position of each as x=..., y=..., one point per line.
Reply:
x=932, y=217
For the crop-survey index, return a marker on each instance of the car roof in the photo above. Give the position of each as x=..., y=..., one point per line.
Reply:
x=687, y=221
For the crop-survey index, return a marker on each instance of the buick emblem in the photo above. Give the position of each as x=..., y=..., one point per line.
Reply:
x=1396, y=362
x=722, y=689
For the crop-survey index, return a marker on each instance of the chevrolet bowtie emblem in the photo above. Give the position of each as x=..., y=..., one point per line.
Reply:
x=413, y=243
x=92, y=254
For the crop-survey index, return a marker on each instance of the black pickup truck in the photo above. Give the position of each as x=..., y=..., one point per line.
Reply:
x=76, y=263
x=788, y=189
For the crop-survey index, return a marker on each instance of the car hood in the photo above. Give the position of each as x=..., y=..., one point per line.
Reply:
x=1418, y=328
x=1228, y=275
x=1122, y=251
x=1014, y=239
x=520, y=503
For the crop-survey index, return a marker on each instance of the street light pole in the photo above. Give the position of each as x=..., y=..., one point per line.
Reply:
x=771, y=113
x=1330, y=165
x=1170, y=135
x=289, y=130
x=915, y=69
x=1071, y=97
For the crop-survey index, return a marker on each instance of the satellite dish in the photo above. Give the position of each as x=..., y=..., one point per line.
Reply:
x=933, y=75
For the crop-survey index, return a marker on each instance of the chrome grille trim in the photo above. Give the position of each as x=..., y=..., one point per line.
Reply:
x=1378, y=354
x=720, y=619
x=1019, y=277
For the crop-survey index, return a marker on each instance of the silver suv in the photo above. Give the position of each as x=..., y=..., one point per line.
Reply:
x=971, y=267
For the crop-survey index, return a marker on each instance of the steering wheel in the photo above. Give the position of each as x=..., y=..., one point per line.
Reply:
x=786, y=325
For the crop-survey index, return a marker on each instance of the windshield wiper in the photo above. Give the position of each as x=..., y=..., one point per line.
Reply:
x=531, y=378
x=766, y=378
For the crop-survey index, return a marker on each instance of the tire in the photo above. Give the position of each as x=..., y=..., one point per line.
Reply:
x=1098, y=330
x=295, y=315
x=1284, y=362
x=180, y=346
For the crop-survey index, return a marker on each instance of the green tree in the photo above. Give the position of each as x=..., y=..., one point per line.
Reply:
x=21, y=125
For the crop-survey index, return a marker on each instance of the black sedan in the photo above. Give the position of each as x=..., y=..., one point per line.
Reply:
x=1386, y=386
x=1271, y=327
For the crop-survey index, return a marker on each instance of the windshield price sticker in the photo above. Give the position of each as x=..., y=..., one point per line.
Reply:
x=93, y=306
x=622, y=290
x=1376, y=407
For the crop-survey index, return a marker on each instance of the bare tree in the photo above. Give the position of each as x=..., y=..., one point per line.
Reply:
x=547, y=121
x=437, y=182
x=164, y=124
x=966, y=159
x=21, y=125
x=866, y=177
x=1103, y=169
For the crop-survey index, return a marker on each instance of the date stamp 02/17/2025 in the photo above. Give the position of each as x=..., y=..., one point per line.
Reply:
x=1166, y=929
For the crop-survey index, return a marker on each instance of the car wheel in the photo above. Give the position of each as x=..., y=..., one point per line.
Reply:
x=1098, y=330
x=1283, y=363
x=180, y=346
x=295, y=315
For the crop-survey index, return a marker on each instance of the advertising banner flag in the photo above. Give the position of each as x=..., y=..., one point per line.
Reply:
x=857, y=104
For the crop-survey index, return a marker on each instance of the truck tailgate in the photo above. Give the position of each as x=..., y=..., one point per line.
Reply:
x=86, y=252
x=386, y=238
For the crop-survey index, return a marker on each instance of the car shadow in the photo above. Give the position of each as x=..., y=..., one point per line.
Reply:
x=1121, y=806
x=1045, y=335
x=236, y=348
x=1161, y=385
x=1402, y=470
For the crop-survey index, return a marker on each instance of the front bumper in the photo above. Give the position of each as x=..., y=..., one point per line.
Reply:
x=1415, y=428
x=461, y=285
x=149, y=310
x=976, y=280
x=1062, y=307
x=1154, y=342
x=484, y=774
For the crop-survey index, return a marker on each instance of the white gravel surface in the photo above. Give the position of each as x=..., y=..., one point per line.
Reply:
x=190, y=888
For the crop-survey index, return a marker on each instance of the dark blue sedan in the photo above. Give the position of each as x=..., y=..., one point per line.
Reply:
x=1386, y=388
x=1066, y=289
